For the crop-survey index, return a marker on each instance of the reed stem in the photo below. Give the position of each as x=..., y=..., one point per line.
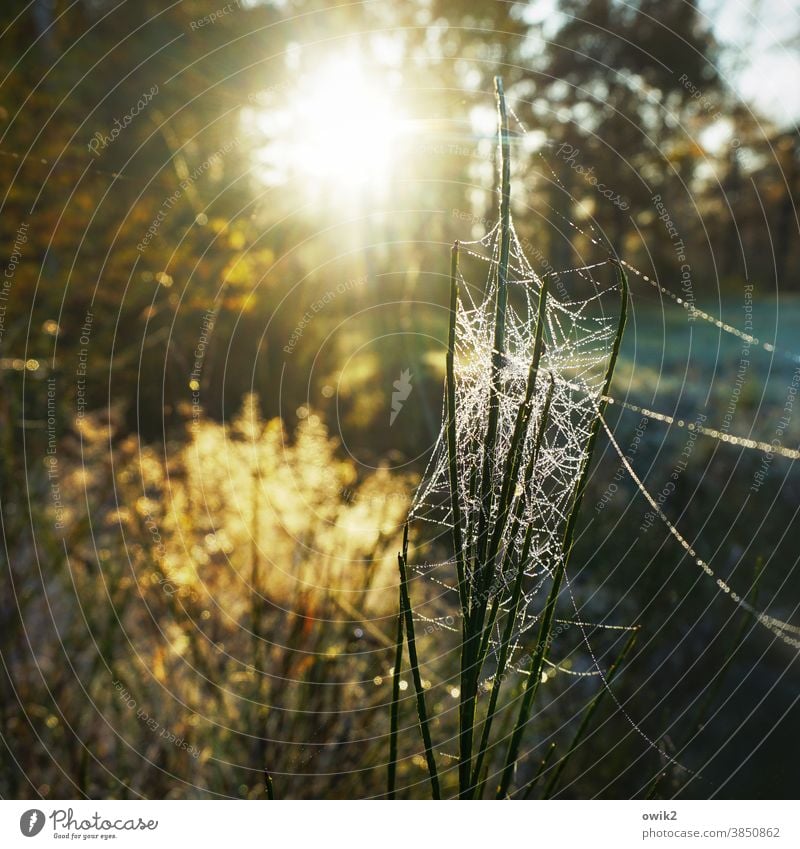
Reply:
x=499, y=348
x=588, y=714
x=482, y=568
x=452, y=456
x=398, y=661
x=413, y=661
x=531, y=785
x=516, y=596
x=546, y=627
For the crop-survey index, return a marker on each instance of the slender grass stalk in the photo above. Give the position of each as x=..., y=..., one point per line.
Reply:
x=413, y=661
x=514, y=457
x=502, y=658
x=505, y=216
x=268, y=785
x=465, y=742
x=499, y=349
x=548, y=614
x=511, y=470
x=398, y=661
x=517, y=518
x=588, y=715
x=516, y=596
x=455, y=504
x=531, y=785
x=483, y=571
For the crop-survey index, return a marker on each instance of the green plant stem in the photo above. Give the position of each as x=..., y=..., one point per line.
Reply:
x=513, y=460
x=414, y=663
x=398, y=661
x=514, y=457
x=505, y=216
x=482, y=567
x=545, y=629
x=518, y=513
x=465, y=742
x=516, y=594
x=531, y=785
x=452, y=456
x=589, y=714
x=502, y=660
x=499, y=348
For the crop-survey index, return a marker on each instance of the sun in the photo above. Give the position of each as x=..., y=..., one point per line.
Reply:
x=349, y=127
x=338, y=126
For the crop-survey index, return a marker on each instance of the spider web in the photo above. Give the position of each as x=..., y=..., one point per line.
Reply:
x=566, y=403
x=567, y=400
x=579, y=332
